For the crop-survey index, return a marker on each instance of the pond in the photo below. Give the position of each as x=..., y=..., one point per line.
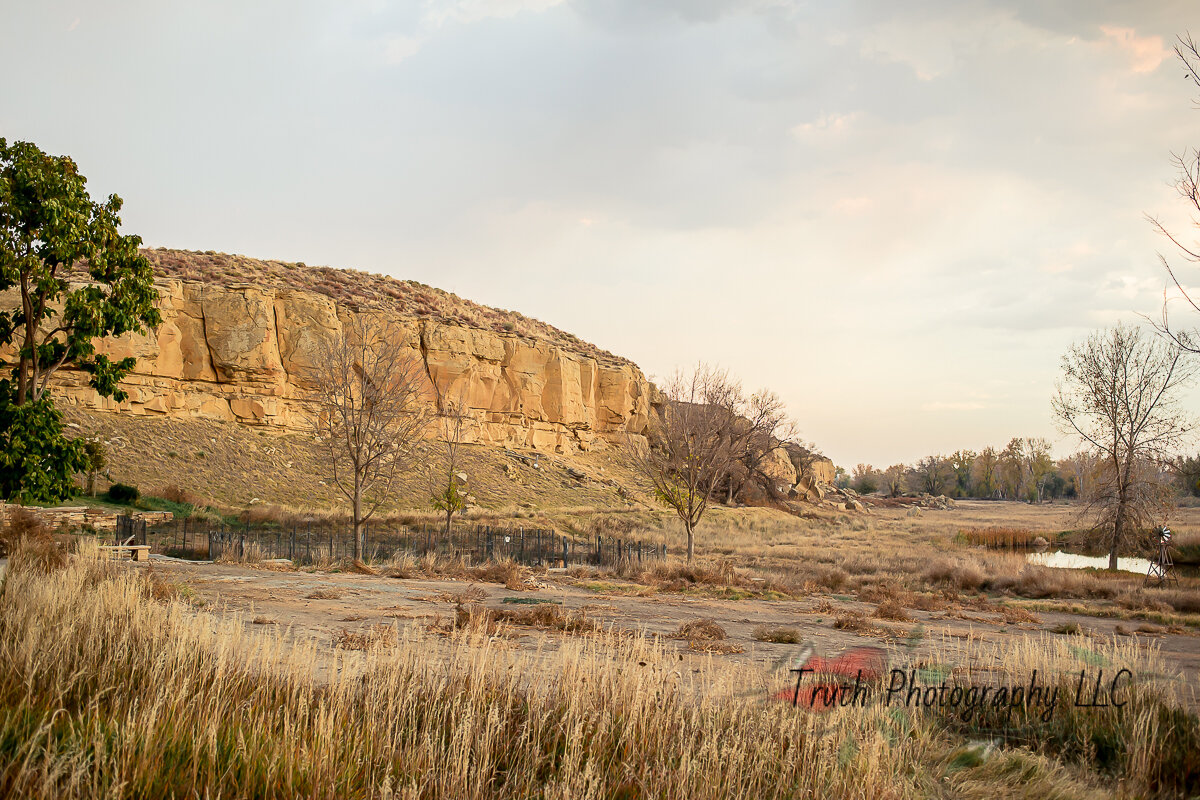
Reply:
x=1064, y=560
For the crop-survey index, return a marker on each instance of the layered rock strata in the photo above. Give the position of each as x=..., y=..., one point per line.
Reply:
x=244, y=353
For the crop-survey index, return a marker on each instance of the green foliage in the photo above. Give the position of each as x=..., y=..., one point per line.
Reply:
x=95, y=457
x=450, y=500
x=48, y=227
x=37, y=462
x=123, y=493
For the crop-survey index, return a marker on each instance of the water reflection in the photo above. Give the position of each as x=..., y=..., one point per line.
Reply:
x=1075, y=561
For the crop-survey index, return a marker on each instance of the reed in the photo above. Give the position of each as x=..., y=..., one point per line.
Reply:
x=111, y=687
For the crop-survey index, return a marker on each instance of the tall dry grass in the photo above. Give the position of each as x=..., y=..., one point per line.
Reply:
x=108, y=691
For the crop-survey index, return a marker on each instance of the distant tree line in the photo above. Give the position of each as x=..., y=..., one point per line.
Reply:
x=1022, y=470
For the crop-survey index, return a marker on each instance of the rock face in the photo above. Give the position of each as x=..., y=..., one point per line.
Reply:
x=244, y=353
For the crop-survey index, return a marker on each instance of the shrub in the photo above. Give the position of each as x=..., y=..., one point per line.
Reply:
x=765, y=633
x=891, y=609
x=175, y=494
x=122, y=493
x=833, y=578
x=28, y=545
x=700, y=629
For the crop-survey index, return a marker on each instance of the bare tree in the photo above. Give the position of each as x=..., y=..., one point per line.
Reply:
x=763, y=429
x=933, y=474
x=1011, y=468
x=369, y=387
x=805, y=456
x=894, y=479
x=694, y=443
x=1119, y=395
x=447, y=487
x=1082, y=468
x=1187, y=182
x=864, y=478
x=1038, y=465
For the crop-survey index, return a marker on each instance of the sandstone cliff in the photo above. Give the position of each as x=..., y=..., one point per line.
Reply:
x=242, y=351
x=239, y=338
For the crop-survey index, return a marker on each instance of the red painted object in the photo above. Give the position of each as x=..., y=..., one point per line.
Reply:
x=833, y=681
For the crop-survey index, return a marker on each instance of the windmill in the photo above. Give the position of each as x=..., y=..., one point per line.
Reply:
x=1162, y=569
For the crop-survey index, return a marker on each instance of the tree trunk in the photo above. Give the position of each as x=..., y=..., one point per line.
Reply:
x=358, y=524
x=1118, y=530
x=449, y=516
x=691, y=550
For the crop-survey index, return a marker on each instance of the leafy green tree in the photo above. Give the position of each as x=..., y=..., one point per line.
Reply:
x=50, y=226
x=95, y=459
x=447, y=489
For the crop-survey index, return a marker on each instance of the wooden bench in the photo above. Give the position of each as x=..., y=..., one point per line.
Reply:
x=138, y=552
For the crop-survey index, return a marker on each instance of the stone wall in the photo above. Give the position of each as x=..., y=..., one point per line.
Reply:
x=243, y=353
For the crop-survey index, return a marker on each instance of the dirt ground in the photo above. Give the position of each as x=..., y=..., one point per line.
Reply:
x=265, y=598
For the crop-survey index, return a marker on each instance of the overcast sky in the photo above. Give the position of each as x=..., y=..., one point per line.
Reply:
x=897, y=215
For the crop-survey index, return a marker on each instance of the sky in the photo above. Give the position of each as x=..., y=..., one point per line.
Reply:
x=898, y=216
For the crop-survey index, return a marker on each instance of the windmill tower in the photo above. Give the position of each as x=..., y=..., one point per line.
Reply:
x=1162, y=569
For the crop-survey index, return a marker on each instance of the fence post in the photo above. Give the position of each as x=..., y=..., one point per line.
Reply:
x=564, y=545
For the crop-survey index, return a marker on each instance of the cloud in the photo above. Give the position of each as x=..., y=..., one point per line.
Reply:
x=436, y=15
x=441, y=12
x=399, y=48
x=1145, y=53
x=826, y=125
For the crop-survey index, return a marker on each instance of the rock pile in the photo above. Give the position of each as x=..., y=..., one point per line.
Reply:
x=76, y=518
x=939, y=503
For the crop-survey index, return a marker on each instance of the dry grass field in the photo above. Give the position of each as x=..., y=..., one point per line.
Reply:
x=427, y=678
